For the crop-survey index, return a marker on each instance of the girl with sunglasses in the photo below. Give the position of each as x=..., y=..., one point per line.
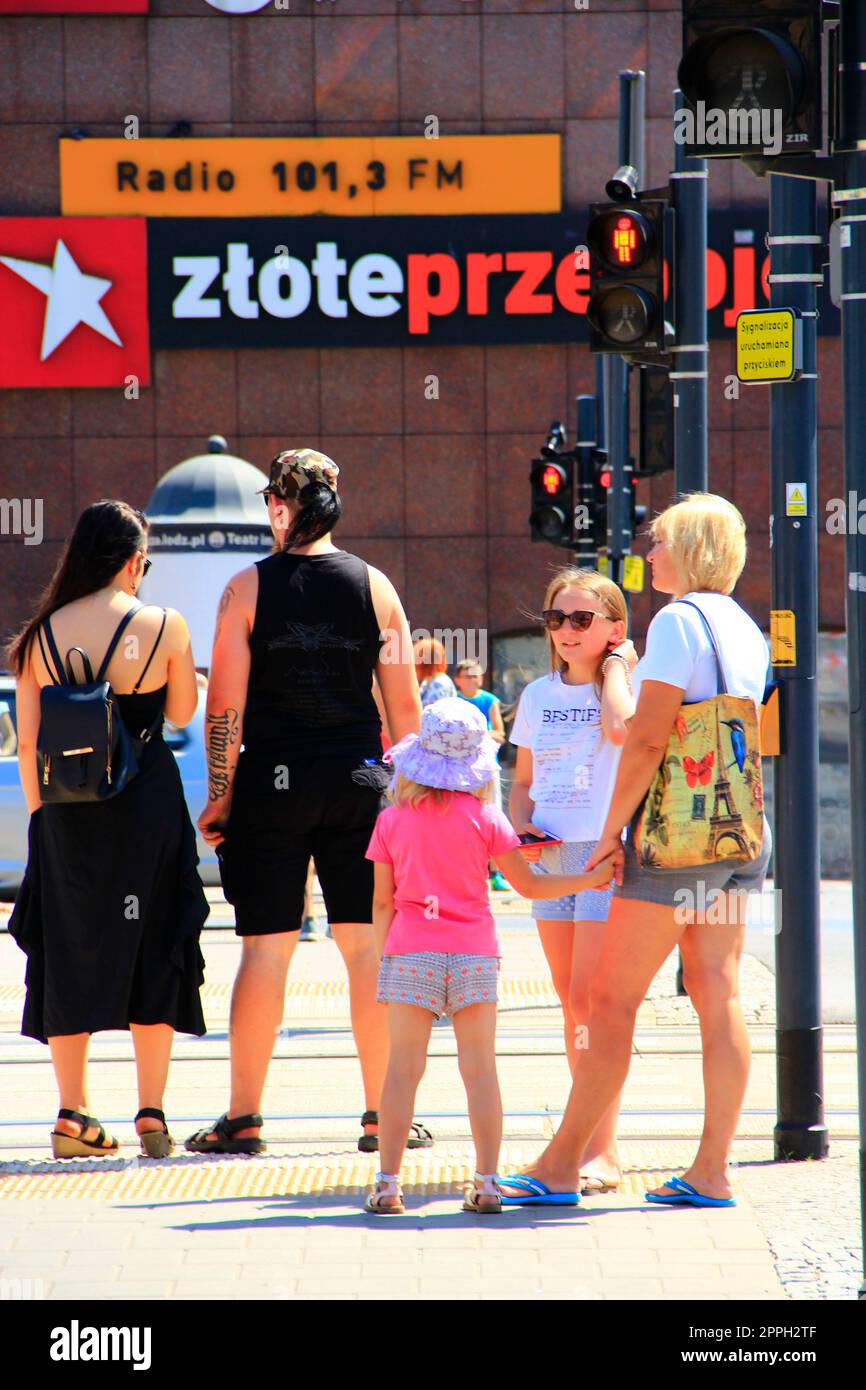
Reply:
x=568, y=728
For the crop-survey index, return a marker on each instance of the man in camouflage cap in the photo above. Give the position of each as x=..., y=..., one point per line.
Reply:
x=293, y=469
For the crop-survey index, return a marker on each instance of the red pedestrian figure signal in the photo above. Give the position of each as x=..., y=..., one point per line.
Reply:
x=551, y=479
x=624, y=241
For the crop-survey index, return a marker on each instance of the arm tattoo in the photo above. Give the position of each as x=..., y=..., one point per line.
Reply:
x=227, y=596
x=223, y=734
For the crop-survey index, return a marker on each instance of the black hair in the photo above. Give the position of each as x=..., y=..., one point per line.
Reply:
x=319, y=510
x=106, y=535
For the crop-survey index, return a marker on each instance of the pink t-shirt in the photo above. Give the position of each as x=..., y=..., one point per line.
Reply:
x=440, y=873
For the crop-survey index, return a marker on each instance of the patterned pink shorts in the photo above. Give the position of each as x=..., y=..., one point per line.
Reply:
x=437, y=981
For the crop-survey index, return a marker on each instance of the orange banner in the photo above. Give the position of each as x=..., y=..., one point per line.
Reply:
x=344, y=176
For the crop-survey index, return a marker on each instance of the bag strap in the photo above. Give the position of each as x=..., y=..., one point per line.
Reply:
x=85, y=663
x=152, y=653
x=57, y=675
x=721, y=683
x=119, y=631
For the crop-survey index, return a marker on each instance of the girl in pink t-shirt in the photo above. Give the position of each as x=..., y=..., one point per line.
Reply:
x=435, y=932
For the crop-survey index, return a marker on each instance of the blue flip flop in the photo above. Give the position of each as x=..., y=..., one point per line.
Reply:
x=538, y=1194
x=688, y=1196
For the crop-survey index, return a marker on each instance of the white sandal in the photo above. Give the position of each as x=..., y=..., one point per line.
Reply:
x=484, y=1195
x=387, y=1185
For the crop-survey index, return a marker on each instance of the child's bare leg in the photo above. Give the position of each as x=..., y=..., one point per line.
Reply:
x=475, y=1031
x=409, y=1033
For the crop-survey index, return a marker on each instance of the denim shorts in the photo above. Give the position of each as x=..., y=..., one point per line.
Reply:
x=672, y=887
x=592, y=905
x=437, y=981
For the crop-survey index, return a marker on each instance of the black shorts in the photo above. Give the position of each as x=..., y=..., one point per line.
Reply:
x=282, y=813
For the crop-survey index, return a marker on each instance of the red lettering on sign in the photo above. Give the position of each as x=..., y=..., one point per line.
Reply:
x=744, y=284
x=422, y=300
x=717, y=278
x=570, y=281
x=479, y=267
x=522, y=297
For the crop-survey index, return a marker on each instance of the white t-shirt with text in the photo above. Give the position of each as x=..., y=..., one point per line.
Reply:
x=573, y=764
x=679, y=651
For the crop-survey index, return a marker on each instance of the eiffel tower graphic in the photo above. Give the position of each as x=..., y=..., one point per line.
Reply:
x=727, y=826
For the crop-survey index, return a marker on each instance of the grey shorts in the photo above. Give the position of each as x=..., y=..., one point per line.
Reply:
x=681, y=887
x=438, y=981
x=592, y=905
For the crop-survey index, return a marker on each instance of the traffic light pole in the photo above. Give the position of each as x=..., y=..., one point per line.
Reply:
x=850, y=195
x=689, y=269
x=585, y=549
x=800, y=1131
x=632, y=105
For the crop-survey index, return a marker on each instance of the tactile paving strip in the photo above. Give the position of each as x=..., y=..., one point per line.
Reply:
x=193, y=1179
x=324, y=996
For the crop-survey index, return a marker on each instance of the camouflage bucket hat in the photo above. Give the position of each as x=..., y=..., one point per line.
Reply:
x=294, y=468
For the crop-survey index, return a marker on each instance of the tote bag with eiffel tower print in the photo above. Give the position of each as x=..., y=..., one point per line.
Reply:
x=706, y=802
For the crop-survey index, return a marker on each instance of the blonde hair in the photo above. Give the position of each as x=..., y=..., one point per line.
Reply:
x=409, y=793
x=706, y=536
x=612, y=599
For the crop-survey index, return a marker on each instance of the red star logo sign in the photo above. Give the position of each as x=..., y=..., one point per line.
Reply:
x=73, y=301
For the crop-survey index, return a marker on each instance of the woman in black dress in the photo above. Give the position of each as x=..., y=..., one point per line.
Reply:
x=111, y=907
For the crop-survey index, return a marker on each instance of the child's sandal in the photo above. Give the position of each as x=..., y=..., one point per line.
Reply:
x=483, y=1196
x=386, y=1188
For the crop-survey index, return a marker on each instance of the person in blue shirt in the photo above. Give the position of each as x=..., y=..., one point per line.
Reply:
x=468, y=676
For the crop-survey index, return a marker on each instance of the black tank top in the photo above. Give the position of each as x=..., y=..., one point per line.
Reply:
x=314, y=646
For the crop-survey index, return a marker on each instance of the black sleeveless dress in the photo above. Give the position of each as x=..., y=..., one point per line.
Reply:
x=111, y=907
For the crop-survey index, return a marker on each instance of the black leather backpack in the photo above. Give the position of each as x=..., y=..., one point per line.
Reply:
x=84, y=751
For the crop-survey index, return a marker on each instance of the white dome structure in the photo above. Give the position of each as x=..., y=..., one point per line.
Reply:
x=206, y=523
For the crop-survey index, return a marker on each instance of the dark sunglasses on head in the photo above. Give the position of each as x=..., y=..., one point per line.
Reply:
x=580, y=619
x=146, y=567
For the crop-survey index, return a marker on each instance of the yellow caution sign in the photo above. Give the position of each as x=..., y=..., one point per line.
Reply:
x=795, y=499
x=632, y=574
x=783, y=637
x=603, y=566
x=769, y=346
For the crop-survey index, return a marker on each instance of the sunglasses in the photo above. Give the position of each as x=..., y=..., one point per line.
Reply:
x=146, y=567
x=581, y=619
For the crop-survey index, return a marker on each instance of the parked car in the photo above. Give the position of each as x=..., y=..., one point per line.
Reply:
x=187, y=745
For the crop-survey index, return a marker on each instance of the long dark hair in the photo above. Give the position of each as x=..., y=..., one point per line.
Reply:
x=319, y=510
x=106, y=535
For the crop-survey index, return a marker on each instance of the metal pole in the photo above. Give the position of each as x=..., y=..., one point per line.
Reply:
x=800, y=1130
x=585, y=551
x=851, y=197
x=689, y=269
x=632, y=106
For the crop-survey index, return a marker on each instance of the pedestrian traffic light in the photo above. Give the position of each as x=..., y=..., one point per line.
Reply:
x=751, y=77
x=600, y=487
x=626, y=276
x=655, y=452
x=552, y=481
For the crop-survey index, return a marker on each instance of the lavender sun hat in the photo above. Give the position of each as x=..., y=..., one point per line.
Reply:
x=453, y=751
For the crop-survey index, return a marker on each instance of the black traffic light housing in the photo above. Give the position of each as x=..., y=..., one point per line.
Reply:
x=751, y=55
x=655, y=452
x=552, y=481
x=626, y=276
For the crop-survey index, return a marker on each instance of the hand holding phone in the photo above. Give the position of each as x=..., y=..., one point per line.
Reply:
x=533, y=840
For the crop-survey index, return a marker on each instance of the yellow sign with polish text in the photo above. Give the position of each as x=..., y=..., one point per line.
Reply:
x=783, y=637
x=632, y=573
x=768, y=345
x=345, y=176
